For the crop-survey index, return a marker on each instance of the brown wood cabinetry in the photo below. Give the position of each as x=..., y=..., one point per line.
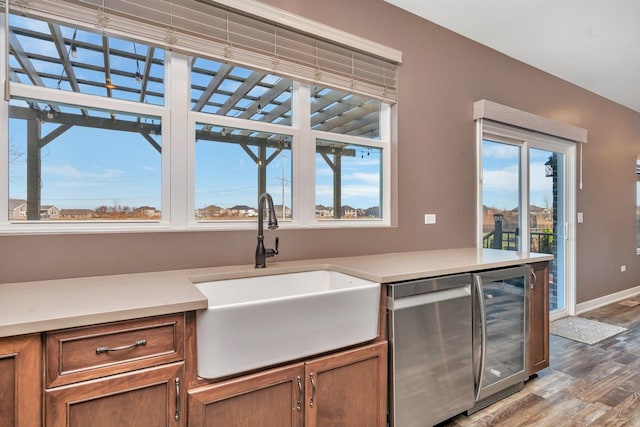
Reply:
x=125, y=373
x=21, y=381
x=143, y=398
x=269, y=398
x=539, y=317
x=84, y=353
x=347, y=388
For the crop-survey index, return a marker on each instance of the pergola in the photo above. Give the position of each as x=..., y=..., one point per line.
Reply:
x=332, y=110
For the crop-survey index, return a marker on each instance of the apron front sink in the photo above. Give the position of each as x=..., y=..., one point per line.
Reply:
x=260, y=321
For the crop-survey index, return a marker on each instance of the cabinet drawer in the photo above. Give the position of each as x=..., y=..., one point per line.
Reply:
x=83, y=353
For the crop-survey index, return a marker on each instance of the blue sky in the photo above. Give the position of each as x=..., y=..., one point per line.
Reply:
x=501, y=176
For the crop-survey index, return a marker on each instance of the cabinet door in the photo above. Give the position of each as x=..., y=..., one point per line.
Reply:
x=539, y=317
x=266, y=399
x=21, y=381
x=348, y=388
x=148, y=397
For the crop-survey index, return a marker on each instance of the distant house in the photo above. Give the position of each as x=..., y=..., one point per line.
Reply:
x=349, y=212
x=540, y=218
x=324, y=211
x=243, y=210
x=17, y=209
x=145, y=212
x=278, y=209
x=211, y=211
x=49, y=212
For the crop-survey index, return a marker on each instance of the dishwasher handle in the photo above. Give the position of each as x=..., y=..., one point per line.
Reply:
x=463, y=291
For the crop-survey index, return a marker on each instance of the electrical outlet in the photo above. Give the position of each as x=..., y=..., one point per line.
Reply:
x=623, y=268
x=429, y=218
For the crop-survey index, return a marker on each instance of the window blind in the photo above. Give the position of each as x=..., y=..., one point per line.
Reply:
x=203, y=28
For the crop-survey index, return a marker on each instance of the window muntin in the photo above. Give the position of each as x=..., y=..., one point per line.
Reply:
x=348, y=181
x=233, y=91
x=78, y=163
x=344, y=113
x=72, y=59
x=234, y=166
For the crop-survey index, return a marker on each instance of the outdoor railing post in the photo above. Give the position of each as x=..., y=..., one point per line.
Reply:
x=497, y=237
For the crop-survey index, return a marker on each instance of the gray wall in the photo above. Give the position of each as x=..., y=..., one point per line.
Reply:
x=442, y=74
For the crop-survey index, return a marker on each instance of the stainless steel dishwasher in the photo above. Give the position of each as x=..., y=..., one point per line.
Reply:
x=431, y=369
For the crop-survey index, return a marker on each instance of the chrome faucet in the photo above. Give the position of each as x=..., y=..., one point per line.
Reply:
x=261, y=253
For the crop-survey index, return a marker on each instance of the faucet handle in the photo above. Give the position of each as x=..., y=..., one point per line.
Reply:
x=272, y=252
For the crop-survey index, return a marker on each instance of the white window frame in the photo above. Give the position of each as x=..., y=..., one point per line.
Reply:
x=178, y=125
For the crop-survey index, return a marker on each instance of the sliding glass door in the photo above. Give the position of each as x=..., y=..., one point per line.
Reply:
x=523, y=199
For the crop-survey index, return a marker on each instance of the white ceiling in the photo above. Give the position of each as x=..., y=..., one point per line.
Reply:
x=594, y=44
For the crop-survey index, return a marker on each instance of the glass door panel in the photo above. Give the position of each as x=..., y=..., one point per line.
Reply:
x=505, y=307
x=500, y=195
x=546, y=216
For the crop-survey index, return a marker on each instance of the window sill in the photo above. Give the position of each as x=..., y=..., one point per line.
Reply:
x=40, y=228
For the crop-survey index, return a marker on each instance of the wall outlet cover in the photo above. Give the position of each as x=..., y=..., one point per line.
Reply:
x=429, y=218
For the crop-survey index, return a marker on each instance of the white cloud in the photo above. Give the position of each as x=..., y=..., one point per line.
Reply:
x=359, y=196
x=68, y=171
x=368, y=178
x=505, y=179
x=360, y=192
x=500, y=151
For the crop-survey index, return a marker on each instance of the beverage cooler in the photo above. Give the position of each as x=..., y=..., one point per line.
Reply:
x=500, y=333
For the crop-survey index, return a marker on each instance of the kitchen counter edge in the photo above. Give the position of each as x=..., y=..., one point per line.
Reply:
x=39, y=306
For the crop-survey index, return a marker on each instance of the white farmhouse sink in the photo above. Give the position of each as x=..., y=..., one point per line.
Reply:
x=260, y=321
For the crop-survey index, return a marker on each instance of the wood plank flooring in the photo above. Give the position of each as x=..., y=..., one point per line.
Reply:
x=586, y=385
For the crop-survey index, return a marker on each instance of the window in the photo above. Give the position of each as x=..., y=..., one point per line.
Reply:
x=74, y=157
x=82, y=163
x=107, y=126
x=235, y=166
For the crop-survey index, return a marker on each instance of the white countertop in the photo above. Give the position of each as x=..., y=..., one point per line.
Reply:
x=54, y=304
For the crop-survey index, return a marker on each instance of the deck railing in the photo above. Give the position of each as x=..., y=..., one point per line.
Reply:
x=540, y=242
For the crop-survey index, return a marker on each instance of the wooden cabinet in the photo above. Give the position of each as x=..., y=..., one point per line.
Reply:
x=128, y=373
x=270, y=398
x=347, y=388
x=21, y=381
x=539, y=317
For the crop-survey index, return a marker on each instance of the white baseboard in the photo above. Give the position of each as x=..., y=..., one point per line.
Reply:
x=607, y=299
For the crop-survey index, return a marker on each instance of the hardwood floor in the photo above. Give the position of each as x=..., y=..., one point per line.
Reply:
x=586, y=385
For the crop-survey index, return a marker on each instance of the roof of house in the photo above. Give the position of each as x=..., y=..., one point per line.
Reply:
x=15, y=203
